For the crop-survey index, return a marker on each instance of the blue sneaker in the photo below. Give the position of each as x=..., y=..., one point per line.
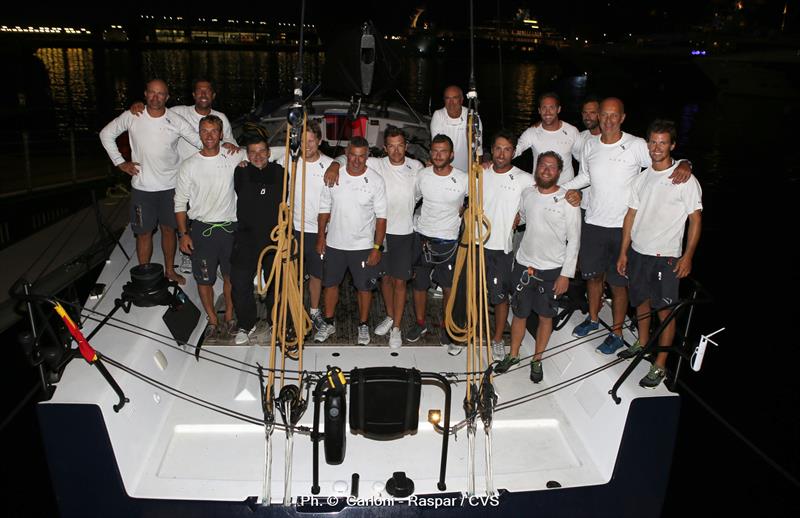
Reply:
x=585, y=327
x=610, y=344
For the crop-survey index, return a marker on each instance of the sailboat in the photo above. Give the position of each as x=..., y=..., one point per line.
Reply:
x=146, y=419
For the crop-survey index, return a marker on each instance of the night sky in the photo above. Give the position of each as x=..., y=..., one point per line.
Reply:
x=592, y=19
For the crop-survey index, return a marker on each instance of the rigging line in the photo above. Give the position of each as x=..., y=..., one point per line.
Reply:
x=166, y=337
x=739, y=435
x=573, y=343
x=53, y=242
x=545, y=357
x=190, y=353
x=546, y=391
x=194, y=399
x=181, y=395
x=557, y=387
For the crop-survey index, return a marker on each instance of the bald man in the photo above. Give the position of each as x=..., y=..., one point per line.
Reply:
x=609, y=165
x=154, y=138
x=452, y=121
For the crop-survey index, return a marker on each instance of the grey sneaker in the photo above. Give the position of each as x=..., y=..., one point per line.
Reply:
x=186, y=263
x=317, y=320
x=211, y=332
x=363, y=334
x=243, y=336
x=498, y=349
x=415, y=332
x=326, y=331
x=654, y=377
x=395, y=338
x=506, y=363
x=536, y=371
x=631, y=351
x=384, y=327
x=444, y=338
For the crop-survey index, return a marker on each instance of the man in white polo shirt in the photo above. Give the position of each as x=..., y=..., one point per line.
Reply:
x=442, y=189
x=652, y=237
x=552, y=134
x=589, y=116
x=545, y=260
x=452, y=121
x=354, y=213
x=316, y=164
x=609, y=166
x=203, y=94
x=205, y=185
x=399, y=172
x=154, y=138
x=503, y=185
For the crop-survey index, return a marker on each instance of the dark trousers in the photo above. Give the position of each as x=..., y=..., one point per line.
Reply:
x=244, y=302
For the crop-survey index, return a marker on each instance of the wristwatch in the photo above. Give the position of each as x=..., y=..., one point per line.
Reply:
x=376, y=246
x=180, y=234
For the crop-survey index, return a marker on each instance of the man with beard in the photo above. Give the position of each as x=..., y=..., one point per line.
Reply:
x=153, y=167
x=205, y=186
x=452, y=122
x=503, y=185
x=609, y=166
x=442, y=189
x=589, y=110
x=545, y=260
x=552, y=134
x=652, y=236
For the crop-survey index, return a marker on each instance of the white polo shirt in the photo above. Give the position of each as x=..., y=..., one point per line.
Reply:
x=661, y=211
x=502, y=193
x=442, y=199
x=354, y=205
x=552, y=231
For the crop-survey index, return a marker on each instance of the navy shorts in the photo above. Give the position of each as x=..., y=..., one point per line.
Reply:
x=398, y=259
x=499, y=266
x=599, y=253
x=537, y=295
x=435, y=262
x=312, y=260
x=337, y=262
x=652, y=278
x=150, y=209
x=213, y=247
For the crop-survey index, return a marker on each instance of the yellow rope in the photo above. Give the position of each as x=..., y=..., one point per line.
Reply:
x=476, y=332
x=284, y=273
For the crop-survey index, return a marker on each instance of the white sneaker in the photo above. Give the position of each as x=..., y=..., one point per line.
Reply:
x=363, y=334
x=395, y=338
x=384, y=327
x=498, y=350
x=317, y=320
x=325, y=332
x=454, y=349
x=186, y=263
x=243, y=336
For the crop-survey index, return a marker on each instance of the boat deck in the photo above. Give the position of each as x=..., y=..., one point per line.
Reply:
x=566, y=429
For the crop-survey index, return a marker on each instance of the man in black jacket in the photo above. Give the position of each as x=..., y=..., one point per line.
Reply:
x=258, y=188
